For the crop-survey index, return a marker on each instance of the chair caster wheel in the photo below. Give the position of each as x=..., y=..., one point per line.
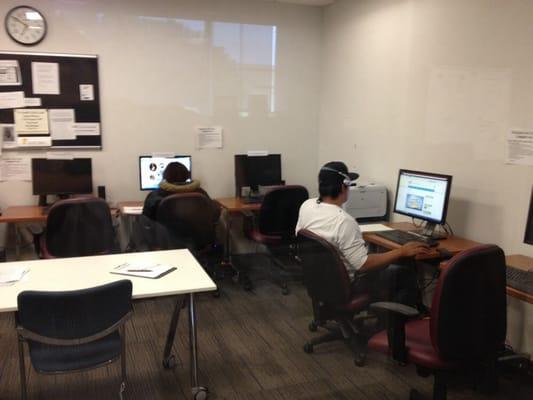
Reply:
x=360, y=360
x=199, y=393
x=170, y=362
x=313, y=327
x=308, y=348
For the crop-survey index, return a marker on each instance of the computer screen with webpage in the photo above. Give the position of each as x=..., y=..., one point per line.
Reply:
x=423, y=195
x=151, y=169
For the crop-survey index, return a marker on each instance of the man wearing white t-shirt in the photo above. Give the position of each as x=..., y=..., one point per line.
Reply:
x=325, y=217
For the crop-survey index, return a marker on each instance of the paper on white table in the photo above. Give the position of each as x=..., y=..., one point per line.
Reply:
x=374, y=228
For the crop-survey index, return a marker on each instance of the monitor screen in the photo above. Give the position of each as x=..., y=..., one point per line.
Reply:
x=62, y=176
x=255, y=171
x=423, y=195
x=528, y=235
x=151, y=169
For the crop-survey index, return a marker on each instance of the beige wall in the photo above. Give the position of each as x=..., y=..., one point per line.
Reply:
x=435, y=85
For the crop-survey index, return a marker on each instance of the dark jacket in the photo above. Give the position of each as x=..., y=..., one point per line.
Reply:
x=166, y=189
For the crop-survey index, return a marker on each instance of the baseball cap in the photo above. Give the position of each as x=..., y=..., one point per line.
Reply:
x=335, y=173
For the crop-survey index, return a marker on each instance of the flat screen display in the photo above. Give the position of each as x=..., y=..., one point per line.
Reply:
x=528, y=235
x=423, y=195
x=62, y=176
x=151, y=169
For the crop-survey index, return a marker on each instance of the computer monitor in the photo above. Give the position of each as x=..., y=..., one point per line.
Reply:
x=61, y=177
x=423, y=195
x=151, y=169
x=528, y=235
x=255, y=171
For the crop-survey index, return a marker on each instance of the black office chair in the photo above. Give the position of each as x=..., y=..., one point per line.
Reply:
x=75, y=330
x=275, y=224
x=78, y=227
x=467, y=325
x=191, y=220
x=333, y=299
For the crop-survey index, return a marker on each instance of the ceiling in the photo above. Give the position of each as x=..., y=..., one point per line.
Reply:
x=306, y=2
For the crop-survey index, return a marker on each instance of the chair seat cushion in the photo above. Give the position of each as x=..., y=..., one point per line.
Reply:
x=265, y=239
x=418, y=343
x=357, y=303
x=48, y=359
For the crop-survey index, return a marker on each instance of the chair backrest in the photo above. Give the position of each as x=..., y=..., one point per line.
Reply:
x=324, y=272
x=469, y=313
x=279, y=210
x=79, y=227
x=74, y=314
x=189, y=217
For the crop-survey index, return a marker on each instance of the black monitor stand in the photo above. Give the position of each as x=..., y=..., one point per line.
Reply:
x=43, y=199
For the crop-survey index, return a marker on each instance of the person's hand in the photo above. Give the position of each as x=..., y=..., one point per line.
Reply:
x=413, y=249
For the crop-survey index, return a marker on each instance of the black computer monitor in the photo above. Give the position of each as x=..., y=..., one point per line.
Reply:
x=423, y=195
x=151, y=169
x=255, y=171
x=61, y=177
x=528, y=235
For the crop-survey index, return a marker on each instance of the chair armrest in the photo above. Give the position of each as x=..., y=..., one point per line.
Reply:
x=395, y=308
x=397, y=316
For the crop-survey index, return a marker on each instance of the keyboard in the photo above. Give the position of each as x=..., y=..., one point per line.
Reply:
x=520, y=279
x=402, y=237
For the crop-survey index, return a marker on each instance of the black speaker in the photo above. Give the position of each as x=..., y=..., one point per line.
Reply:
x=101, y=192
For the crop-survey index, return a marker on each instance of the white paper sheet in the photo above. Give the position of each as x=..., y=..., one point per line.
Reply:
x=11, y=275
x=15, y=168
x=34, y=141
x=86, y=129
x=11, y=99
x=9, y=136
x=520, y=147
x=10, y=73
x=45, y=78
x=32, y=102
x=31, y=122
x=61, y=123
x=209, y=137
x=86, y=92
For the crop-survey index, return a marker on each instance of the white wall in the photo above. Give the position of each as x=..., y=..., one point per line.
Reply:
x=166, y=66
x=435, y=85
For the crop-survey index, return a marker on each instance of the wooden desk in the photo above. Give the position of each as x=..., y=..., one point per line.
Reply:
x=522, y=262
x=64, y=274
x=233, y=206
x=22, y=214
x=453, y=244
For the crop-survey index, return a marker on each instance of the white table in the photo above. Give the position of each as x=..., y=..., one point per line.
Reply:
x=63, y=274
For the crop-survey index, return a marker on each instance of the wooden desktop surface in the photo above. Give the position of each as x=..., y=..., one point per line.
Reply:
x=17, y=214
x=452, y=244
x=235, y=205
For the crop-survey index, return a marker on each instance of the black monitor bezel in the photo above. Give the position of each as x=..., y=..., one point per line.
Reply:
x=33, y=168
x=529, y=221
x=152, y=156
x=429, y=174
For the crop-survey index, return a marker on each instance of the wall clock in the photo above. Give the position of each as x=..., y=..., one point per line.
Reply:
x=25, y=25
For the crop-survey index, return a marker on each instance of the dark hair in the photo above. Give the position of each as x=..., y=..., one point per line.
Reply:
x=176, y=172
x=331, y=190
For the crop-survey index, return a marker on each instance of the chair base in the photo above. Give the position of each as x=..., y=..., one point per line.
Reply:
x=342, y=330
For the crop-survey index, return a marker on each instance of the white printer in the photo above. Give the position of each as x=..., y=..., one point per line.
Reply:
x=367, y=201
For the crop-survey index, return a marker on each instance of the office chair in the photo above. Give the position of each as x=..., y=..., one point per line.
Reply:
x=467, y=324
x=78, y=227
x=333, y=299
x=74, y=331
x=191, y=219
x=275, y=224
